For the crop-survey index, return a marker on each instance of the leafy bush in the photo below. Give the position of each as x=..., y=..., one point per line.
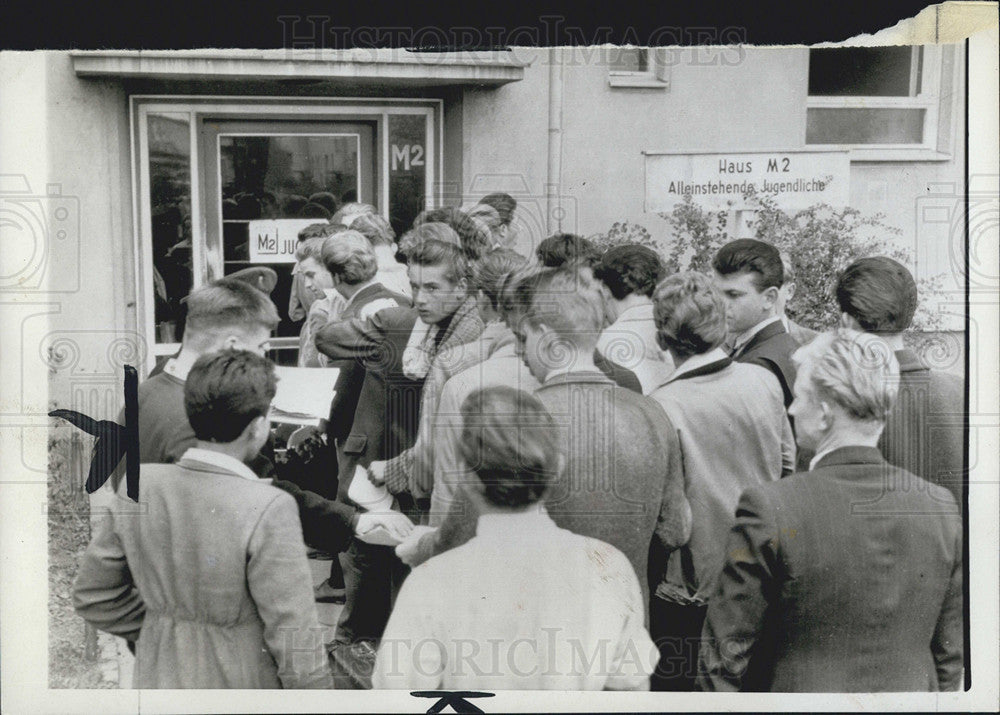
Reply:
x=821, y=241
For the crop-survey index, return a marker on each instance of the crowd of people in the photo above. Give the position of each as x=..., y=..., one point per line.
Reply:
x=566, y=470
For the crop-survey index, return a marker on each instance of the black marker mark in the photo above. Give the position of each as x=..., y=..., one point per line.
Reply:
x=114, y=441
x=455, y=699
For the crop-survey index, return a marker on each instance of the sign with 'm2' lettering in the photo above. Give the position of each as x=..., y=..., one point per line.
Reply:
x=717, y=182
x=274, y=240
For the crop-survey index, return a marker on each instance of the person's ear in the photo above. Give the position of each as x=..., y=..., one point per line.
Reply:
x=230, y=342
x=770, y=296
x=661, y=342
x=826, y=416
x=463, y=284
x=789, y=291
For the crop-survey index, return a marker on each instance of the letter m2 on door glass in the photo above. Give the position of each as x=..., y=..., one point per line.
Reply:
x=407, y=156
x=274, y=240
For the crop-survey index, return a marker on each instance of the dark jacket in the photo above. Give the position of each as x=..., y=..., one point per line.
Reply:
x=772, y=348
x=843, y=579
x=388, y=407
x=924, y=433
x=352, y=374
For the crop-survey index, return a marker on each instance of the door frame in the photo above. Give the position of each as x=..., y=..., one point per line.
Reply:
x=254, y=109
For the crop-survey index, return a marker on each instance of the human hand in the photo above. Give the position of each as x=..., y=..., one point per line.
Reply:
x=409, y=551
x=398, y=525
x=376, y=473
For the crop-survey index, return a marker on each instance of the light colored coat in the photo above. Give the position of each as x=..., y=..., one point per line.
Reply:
x=208, y=574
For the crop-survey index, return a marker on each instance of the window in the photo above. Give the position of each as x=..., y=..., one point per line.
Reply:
x=639, y=67
x=210, y=174
x=877, y=98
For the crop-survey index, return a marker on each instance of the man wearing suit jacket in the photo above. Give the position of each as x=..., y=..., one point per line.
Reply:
x=749, y=275
x=924, y=433
x=208, y=575
x=848, y=577
x=350, y=265
x=396, y=346
x=733, y=433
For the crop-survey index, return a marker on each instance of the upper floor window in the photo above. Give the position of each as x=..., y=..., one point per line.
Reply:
x=874, y=97
x=637, y=67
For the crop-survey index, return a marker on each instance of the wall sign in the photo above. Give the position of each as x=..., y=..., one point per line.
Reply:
x=797, y=179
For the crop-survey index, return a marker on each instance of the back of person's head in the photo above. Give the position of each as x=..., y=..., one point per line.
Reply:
x=226, y=305
x=690, y=314
x=491, y=271
x=565, y=248
x=375, y=228
x=292, y=204
x=879, y=293
x=510, y=441
x=748, y=255
x=516, y=291
x=327, y=200
x=566, y=301
x=474, y=236
x=488, y=217
x=505, y=205
x=311, y=210
x=629, y=269
x=225, y=391
x=439, y=253
x=427, y=232
x=313, y=230
x=856, y=371
x=350, y=257
x=310, y=248
x=349, y=211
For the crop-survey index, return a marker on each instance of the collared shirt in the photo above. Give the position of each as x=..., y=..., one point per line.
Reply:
x=819, y=455
x=746, y=336
x=525, y=605
x=696, y=361
x=172, y=368
x=220, y=460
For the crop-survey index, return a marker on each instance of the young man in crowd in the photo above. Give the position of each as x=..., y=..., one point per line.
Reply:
x=627, y=350
x=924, y=433
x=624, y=481
x=397, y=347
x=734, y=434
x=225, y=314
x=209, y=578
x=530, y=597
x=749, y=275
x=316, y=278
x=301, y=296
x=848, y=577
x=413, y=470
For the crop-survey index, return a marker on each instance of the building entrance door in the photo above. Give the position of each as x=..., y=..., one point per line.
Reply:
x=266, y=180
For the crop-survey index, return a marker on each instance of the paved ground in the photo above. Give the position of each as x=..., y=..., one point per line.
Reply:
x=117, y=663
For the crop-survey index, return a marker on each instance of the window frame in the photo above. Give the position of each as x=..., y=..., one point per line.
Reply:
x=928, y=99
x=261, y=109
x=655, y=76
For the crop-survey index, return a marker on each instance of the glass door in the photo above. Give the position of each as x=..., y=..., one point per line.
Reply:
x=266, y=180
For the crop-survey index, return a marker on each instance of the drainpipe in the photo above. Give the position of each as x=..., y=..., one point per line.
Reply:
x=554, y=212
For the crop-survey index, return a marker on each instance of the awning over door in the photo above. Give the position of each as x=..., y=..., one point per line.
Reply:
x=390, y=66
